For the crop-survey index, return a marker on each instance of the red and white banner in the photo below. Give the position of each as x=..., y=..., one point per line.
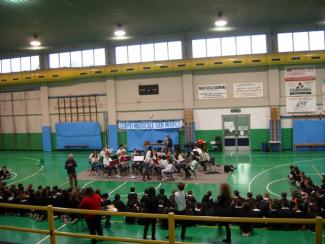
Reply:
x=300, y=73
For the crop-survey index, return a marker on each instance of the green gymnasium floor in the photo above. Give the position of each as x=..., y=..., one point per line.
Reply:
x=256, y=172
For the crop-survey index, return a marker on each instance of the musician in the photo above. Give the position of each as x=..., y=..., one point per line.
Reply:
x=121, y=150
x=94, y=161
x=179, y=160
x=106, y=162
x=103, y=151
x=169, y=142
x=167, y=170
x=124, y=163
x=147, y=164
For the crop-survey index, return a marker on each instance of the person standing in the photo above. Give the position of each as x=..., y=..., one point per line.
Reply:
x=223, y=208
x=70, y=166
x=180, y=200
x=150, y=204
x=92, y=201
x=169, y=141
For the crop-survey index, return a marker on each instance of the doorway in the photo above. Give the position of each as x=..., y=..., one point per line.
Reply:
x=236, y=132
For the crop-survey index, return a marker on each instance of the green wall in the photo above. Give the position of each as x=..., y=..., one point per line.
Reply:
x=259, y=136
x=287, y=136
x=21, y=141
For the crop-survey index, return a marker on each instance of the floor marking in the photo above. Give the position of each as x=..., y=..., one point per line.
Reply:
x=64, y=183
x=88, y=183
x=317, y=171
x=275, y=167
x=11, y=172
x=118, y=187
x=27, y=177
x=274, y=181
x=46, y=237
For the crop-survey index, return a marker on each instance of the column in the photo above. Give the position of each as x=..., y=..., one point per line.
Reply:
x=274, y=86
x=111, y=110
x=188, y=99
x=46, y=128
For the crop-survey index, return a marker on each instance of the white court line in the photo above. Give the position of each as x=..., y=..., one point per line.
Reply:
x=274, y=181
x=46, y=237
x=118, y=187
x=27, y=177
x=317, y=171
x=275, y=167
x=12, y=172
x=88, y=183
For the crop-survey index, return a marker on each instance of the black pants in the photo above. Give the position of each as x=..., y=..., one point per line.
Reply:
x=153, y=228
x=228, y=231
x=94, y=226
x=182, y=223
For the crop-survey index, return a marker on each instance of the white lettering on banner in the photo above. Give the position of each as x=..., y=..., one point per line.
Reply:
x=147, y=125
x=301, y=104
x=248, y=90
x=216, y=91
x=300, y=73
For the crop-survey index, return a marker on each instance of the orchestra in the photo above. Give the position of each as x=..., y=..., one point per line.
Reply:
x=158, y=162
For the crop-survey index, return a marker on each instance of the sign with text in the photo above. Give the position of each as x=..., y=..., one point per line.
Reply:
x=300, y=73
x=247, y=90
x=300, y=88
x=215, y=91
x=301, y=104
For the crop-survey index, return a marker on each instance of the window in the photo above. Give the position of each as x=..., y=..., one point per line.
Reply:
x=15, y=65
x=213, y=47
x=83, y=58
x=64, y=59
x=121, y=54
x=134, y=54
x=99, y=55
x=54, y=61
x=19, y=64
x=234, y=45
x=76, y=60
x=199, y=48
x=175, y=50
x=5, y=64
x=301, y=41
x=161, y=51
x=243, y=45
x=148, y=52
x=87, y=58
x=259, y=44
x=228, y=46
x=316, y=40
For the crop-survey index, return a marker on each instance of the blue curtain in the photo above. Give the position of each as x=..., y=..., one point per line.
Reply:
x=136, y=138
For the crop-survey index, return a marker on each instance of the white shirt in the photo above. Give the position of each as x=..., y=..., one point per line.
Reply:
x=148, y=157
x=163, y=163
x=168, y=168
x=103, y=152
x=180, y=200
x=107, y=161
x=120, y=151
x=94, y=159
x=198, y=150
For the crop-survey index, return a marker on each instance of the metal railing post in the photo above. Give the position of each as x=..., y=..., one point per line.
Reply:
x=171, y=228
x=319, y=230
x=50, y=219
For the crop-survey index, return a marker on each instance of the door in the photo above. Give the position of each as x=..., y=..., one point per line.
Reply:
x=236, y=130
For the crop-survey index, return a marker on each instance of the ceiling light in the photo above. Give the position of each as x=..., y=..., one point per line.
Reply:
x=221, y=21
x=119, y=32
x=35, y=42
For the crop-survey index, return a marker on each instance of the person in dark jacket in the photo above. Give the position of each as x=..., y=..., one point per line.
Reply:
x=70, y=166
x=150, y=206
x=223, y=208
x=4, y=173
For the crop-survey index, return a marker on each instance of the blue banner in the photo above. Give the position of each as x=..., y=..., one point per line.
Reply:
x=150, y=125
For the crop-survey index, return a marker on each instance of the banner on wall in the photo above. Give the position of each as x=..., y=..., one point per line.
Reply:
x=301, y=104
x=323, y=86
x=323, y=102
x=300, y=73
x=150, y=125
x=215, y=91
x=247, y=90
x=300, y=88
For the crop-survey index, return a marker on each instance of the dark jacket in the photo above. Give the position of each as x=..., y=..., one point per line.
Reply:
x=70, y=166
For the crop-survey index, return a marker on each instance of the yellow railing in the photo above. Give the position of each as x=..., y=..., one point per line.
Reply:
x=255, y=60
x=52, y=232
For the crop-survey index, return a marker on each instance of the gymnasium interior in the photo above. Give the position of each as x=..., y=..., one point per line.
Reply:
x=230, y=93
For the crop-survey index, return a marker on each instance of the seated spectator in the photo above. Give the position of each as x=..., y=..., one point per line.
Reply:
x=118, y=203
x=4, y=173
